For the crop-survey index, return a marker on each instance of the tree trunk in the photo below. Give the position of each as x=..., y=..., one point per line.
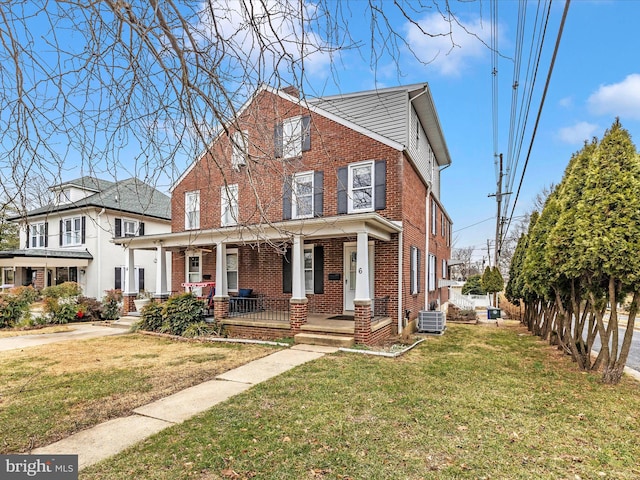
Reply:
x=612, y=374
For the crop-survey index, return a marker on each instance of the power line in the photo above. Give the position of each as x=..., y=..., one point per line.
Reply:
x=544, y=95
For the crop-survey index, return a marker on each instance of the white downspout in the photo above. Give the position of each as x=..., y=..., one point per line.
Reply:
x=400, y=305
x=426, y=247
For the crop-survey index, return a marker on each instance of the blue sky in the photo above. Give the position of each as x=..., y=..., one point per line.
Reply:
x=596, y=78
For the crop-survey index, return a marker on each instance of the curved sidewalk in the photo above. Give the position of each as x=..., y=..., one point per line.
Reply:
x=80, y=331
x=109, y=438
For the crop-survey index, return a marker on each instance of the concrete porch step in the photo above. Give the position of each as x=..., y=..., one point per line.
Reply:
x=328, y=340
x=125, y=322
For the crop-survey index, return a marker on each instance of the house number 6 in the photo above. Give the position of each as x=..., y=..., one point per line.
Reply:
x=359, y=270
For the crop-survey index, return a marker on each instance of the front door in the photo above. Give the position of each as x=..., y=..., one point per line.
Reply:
x=350, y=268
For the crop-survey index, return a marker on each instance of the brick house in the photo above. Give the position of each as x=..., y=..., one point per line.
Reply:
x=316, y=216
x=70, y=239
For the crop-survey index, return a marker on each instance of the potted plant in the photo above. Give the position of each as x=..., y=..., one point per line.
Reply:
x=142, y=299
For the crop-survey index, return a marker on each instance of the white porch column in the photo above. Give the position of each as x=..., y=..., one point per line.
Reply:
x=221, y=270
x=297, y=269
x=129, y=272
x=362, y=267
x=161, y=271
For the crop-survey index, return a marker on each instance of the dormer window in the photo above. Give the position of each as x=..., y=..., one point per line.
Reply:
x=64, y=195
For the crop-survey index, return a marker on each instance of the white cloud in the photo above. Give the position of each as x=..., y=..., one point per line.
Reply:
x=457, y=43
x=618, y=99
x=264, y=36
x=577, y=133
x=566, y=102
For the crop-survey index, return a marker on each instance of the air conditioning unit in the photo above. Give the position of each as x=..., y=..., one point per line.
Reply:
x=431, y=321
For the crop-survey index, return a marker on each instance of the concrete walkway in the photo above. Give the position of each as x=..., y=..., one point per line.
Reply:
x=80, y=331
x=109, y=438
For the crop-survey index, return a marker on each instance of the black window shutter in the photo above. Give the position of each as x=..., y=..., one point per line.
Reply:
x=306, y=133
x=84, y=229
x=141, y=228
x=286, y=198
x=28, y=235
x=380, y=184
x=61, y=233
x=277, y=139
x=141, y=279
x=318, y=269
x=46, y=234
x=118, y=283
x=287, y=281
x=343, y=179
x=118, y=227
x=318, y=179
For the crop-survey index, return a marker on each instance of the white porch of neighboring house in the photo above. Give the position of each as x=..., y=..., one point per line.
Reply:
x=43, y=268
x=363, y=228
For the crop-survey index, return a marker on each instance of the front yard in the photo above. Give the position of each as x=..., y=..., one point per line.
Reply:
x=479, y=402
x=52, y=391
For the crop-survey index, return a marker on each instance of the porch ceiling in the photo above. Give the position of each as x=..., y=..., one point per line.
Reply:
x=374, y=225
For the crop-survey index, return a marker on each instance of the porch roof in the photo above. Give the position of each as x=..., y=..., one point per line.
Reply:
x=373, y=224
x=35, y=257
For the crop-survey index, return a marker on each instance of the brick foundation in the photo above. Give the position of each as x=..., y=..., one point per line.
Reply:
x=298, y=310
x=256, y=333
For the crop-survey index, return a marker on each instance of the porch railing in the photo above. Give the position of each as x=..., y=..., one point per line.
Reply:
x=260, y=308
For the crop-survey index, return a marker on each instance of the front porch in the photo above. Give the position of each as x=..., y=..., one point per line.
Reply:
x=322, y=329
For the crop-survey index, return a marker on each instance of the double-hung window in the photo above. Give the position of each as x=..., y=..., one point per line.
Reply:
x=303, y=195
x=72, y=231
x=308, y=269
x=37, y=235
x=444, y=268
x=229, y=205
x=192, y=210
x=361, y=187
x=232, y=269
x=292, y=137
x=415, y=270
x=432, y=272
x=434, y=219
x=240, y=145
x=130, y=228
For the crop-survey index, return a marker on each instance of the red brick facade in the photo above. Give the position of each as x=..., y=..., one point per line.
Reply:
x=261, y=189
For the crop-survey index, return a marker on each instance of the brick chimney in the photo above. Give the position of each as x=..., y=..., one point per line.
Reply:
x=291, y=90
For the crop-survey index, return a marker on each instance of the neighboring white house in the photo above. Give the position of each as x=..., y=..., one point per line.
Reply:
x=71, y=239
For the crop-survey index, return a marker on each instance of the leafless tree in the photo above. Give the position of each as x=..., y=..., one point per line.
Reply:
x=118, y=88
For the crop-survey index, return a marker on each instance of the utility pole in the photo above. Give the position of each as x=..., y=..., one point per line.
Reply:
x=499, y=219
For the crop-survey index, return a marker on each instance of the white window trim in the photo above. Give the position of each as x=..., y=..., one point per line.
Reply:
x=233, y=251
x=134, y=223
x=294, y=194
x=432, y=272
x=444, y=268
x=76, y=235
x=309, y=288
x=37, y=232
x=229, y=205
x=352, y=166
x=188, y=203
x=292, y=137
x=415, y=275
x=239, y=148
x=434, y=219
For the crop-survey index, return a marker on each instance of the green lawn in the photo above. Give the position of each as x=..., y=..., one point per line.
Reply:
x=52, y=391
x=479, y=402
